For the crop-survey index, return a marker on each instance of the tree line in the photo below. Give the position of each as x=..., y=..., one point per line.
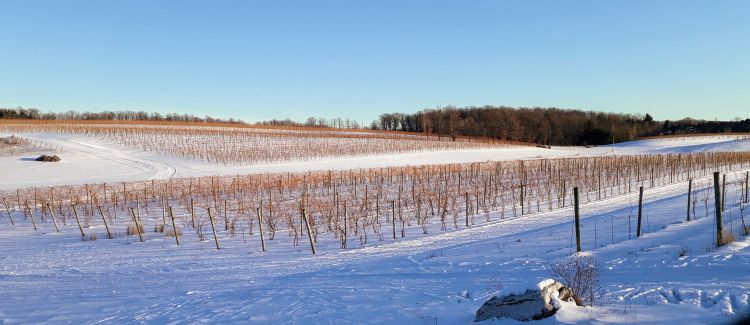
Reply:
x=548, y=126
x=36, y=114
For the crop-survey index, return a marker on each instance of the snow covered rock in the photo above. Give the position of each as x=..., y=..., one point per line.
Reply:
x=533, y=303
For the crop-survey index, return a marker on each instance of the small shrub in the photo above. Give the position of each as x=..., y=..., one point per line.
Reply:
x=90, y=237
x=133, y=230
x=581, y=274
x=159, y=228
x=682, y=252
x=170, y=233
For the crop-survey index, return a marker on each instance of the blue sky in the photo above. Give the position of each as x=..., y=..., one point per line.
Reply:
x=277, y=59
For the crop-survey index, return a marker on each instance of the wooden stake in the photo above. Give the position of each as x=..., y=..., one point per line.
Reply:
x=109, y=235
x=466, y=199
x=192, y=211
x=717, y=207
x=213, y=227
x=640, y=211
x=7, y=209
x=174, y=227
x=260, y=226
x=577, y=219
x=309, y=232
x=690, y=193
x=54, y=220
x=31, y=213
x=78, y=220
x=137, y=226
x=393, y=218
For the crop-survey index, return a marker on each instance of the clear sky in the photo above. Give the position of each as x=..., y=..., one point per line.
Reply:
x=354, y=58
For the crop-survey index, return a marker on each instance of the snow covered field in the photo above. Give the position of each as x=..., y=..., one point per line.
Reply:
x=673, y=272
x=90, y=160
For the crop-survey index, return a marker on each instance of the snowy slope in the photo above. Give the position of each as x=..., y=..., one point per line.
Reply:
x=88, y=160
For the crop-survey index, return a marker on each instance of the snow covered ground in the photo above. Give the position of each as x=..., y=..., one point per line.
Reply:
x=672, y=273
x=90, y=160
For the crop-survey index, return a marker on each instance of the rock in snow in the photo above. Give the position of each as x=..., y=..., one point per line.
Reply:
x=535, y=303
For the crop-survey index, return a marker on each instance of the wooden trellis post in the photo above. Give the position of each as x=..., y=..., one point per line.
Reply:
x=309, y=232
x=260, y=225
x=577, y=219
x=174, y=227
x=137, y=226
x=109, y=234
x=54, y=220
x=690, y=193
x=78, y=220
x=7, y=209
x=213, y=227
x=717, y=206
x=640, y=211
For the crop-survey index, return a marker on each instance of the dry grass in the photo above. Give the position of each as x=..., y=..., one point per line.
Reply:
x=133, y=230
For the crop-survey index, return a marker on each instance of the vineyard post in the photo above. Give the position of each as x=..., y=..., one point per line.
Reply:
x=260, y=226
x=54, y=220
x=522, y=194
x=577, y=219
x=640, y=212
x=31, y=213
x=174, y=227
x=213, y=229
x=747, y=176
x=109, y=234
x=346, y=216
x=466, y=199
x=690, y=193
x=137, y=226
x=309, y=233
x=393, y=218
x=7, y=209
x=717, y=206
x=192, y=211
x=723, y=192
x=78, y=220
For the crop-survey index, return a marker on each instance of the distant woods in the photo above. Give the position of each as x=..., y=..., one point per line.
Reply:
x=548, y=126
x=35, y=114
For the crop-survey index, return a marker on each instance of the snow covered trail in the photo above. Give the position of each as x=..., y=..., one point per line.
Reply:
x=91, y=160
x=436, y=278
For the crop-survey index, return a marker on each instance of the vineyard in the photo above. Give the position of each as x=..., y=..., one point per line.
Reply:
x=358, y=206
x=243, y=146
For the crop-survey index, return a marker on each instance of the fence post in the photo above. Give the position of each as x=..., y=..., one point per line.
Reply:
x=723, y=191
x=640, y=211
x=259, y=211
x=174, y=227
x=137, y=226
x=466, y=199
x=690, y=193
x=7, y=209
x=747, y=176
x=717, y=204
x=393, y=218
x=109, y=234
x=192, y=211
x=577, y=219
x=309, y=233
x=78, y=220
x=31, y=214
x=213, y=228
x=54, y=220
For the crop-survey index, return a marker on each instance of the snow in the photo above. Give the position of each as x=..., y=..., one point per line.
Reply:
x=673, y=272
x=88, y=160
